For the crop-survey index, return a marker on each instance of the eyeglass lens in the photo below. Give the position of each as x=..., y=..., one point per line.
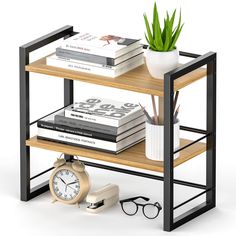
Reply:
x=150, y=211
x=130, y=208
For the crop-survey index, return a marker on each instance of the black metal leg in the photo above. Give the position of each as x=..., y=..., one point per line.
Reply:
x=68, y=99
x=168, y=153
x=24, y=127
x=26, y=193
x=211, y=128
x=170, y=222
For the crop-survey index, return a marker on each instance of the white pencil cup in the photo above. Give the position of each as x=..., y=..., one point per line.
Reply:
x=154, y=142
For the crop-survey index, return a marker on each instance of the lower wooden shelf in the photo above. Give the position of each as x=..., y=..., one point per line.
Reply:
x=134, y=156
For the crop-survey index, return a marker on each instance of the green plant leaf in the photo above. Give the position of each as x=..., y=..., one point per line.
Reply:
x=163, y=34
x=167, y=33
x=176, y=36
x=149, y=33
x=176, y=33
x=150, y=44
x=172, y=20
x=147, y=39
x=157, y=29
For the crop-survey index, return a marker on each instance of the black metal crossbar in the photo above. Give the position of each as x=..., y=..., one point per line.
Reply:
x=141, y=174
x=188, y=54
x=191, y=199
x=39, y=189
x=41, y=173
x=190, y=144
x=33, y=122
x=181, y=53
x=194, y=130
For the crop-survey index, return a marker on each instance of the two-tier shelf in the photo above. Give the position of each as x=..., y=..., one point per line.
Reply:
x=137, y=80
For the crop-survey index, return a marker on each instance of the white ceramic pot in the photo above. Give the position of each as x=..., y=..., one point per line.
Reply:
x=154, y=141
x=159, y=63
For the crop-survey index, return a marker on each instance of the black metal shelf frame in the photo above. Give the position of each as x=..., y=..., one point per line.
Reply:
x=209, y=189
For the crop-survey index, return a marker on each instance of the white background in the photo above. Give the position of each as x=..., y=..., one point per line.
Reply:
x=209, y=26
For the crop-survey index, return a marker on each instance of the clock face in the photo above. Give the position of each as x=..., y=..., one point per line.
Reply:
x=66, y=185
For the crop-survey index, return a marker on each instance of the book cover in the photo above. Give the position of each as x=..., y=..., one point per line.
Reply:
x=104, y=111
x=103, y=45
x=80, y=56
x=112, y=72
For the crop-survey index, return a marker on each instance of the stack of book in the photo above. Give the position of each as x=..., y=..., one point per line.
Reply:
x=107, y=55
x=96, y=123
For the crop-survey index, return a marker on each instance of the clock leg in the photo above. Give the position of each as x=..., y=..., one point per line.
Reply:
x=54, y=200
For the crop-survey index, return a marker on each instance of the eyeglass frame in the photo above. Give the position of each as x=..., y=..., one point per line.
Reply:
x=156, y=204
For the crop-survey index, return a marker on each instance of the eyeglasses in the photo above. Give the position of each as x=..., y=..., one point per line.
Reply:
x=130, y=207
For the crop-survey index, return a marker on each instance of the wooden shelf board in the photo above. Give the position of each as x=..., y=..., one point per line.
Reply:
x=134, y=156
x=137, y=80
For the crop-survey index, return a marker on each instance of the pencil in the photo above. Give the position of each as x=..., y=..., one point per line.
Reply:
x=146, y=114
x=176, y=113
x=175, y=99
x=154, y=110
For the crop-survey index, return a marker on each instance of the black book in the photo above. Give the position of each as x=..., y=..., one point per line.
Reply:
x=51, y=125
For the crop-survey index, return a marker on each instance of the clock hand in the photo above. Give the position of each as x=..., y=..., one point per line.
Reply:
x=67, y=185
x=71, y=187
x=73, y=182
x=62, y=180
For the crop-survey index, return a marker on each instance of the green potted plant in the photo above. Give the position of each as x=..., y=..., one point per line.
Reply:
x=162, y=54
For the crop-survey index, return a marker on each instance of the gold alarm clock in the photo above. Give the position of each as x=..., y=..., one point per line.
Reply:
x=69, y=182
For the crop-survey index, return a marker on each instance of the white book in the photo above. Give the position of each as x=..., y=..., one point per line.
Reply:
x=136, y=61
x=103, y=45
x=116, y=67
x=104, y=111
x=91, y=142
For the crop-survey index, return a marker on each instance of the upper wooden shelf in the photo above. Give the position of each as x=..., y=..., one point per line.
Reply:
x=137, y=80
x=133, y=157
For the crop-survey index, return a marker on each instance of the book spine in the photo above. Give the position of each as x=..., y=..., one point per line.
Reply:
x=77, y=139
x=110, y=130
x=80, y=67
x=115, y=68
x=90, y=118
x=90, y=50
x=100, y=51
x=78, y=145
x=103, y=71
x=77, y=131
x=61, y=52
x=105, y=61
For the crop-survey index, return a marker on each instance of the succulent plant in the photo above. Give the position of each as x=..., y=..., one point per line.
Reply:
x=165, y=39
